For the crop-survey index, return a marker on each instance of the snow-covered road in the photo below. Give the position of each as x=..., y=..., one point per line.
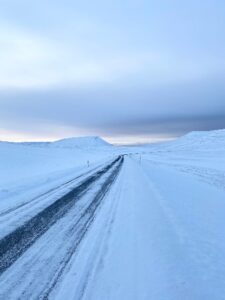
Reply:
x=131, y=230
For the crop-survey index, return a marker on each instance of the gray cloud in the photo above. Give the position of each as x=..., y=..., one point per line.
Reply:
x=173, y=110
x=118, y=68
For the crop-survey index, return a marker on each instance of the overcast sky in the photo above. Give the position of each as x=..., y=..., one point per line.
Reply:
x=125, y=70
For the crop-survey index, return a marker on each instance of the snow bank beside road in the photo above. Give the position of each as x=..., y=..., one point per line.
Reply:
x=24, y=165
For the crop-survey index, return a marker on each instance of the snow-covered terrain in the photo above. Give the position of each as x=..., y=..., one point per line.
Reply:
x=81, y=219
x=198, y=140
x=25, y=165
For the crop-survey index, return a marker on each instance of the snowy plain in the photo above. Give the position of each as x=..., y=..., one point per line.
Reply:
x=82, y=219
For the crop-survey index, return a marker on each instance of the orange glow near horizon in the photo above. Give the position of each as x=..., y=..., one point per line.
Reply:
x=14, y=136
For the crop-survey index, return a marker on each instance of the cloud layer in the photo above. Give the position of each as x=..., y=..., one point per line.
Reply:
x=121, y=69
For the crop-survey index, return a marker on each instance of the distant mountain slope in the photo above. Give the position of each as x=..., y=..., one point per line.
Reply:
x=198, y=140
x=81, y=142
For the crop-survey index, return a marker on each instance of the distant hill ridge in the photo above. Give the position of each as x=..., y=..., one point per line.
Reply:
x=81, y=142
x=199, y=140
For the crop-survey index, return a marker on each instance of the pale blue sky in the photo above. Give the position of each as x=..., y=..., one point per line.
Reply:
x=121, y=69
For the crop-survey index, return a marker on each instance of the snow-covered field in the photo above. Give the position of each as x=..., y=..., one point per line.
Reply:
x=81, y=219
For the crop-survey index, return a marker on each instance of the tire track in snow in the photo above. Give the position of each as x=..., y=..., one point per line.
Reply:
x=37, y=198
x=14, y=217
x=82, y=226
x=16, y=243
